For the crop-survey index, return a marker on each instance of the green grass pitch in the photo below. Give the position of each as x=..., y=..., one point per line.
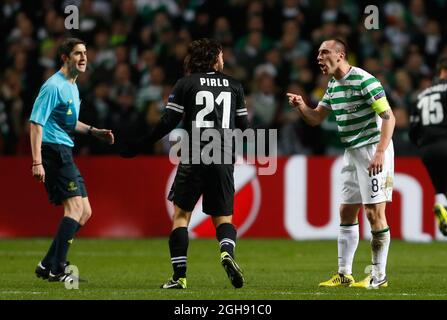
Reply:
x=274, y=269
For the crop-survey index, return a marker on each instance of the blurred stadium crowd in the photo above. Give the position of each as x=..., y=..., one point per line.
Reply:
x=136, y=50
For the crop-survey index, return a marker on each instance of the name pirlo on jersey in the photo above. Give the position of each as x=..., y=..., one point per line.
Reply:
x=350, y=99
x=214, y=82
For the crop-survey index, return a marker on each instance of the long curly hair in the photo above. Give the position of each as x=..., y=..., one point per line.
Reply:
x=202, y=55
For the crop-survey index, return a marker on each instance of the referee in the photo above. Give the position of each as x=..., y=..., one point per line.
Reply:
x=53, y=122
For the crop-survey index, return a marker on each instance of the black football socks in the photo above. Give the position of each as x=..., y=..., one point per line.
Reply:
x=64, y=237
x=47, y=261
x=226, y=235
x=178, y=247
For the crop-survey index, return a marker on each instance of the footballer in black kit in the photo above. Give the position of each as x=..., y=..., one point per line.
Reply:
x=428, y=130
x=204, y=99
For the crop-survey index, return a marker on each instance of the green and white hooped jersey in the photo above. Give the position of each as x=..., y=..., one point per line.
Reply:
x=351, y=99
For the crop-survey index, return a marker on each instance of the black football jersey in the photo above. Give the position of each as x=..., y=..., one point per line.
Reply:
x=212, y=105
x=208, y=101
x=428, y=117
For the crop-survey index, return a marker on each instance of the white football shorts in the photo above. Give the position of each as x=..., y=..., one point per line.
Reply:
x=357, y=185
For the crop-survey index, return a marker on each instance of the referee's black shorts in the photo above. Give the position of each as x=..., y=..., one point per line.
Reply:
x=215, y=182
x=434, y=156
x=62, y=177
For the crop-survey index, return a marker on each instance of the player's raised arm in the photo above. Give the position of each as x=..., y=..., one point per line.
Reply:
x=173, y=114
x=169, y=121
x=241, y=119
x=311, y=116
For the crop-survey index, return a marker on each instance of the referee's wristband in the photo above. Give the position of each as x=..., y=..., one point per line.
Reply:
x=36, y=164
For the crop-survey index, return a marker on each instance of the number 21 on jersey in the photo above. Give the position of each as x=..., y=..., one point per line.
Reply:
x=207, y=98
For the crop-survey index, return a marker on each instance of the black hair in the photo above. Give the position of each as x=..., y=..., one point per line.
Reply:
x=66, y=47
x=202, y=55
x=343, y=45
x=441, y=64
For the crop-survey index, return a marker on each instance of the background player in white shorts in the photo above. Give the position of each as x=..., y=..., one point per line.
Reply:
x=365, y=126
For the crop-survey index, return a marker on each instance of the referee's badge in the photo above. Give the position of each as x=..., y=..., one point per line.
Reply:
x=72, y=186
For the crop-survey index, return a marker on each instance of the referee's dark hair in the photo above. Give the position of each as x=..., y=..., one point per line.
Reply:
x=66, y=47
x=441, y=64
x=202, y=55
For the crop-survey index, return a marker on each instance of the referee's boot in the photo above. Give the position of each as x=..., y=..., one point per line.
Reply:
x=441, y=216
x=234, y=272
x=42, y=271
x=65, y=275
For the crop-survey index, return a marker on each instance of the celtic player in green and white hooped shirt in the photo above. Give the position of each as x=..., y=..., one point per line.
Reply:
x=365, y=126
x=352, y=99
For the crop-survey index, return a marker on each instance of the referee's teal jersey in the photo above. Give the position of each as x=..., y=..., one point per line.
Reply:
x=56, y=109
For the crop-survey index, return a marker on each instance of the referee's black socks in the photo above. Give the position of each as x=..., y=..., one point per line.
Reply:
x=226, y=235
x=47, y=261
x=178, y=247
x=64, y=237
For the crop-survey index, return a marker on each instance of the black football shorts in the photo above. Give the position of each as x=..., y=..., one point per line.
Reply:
x=62, y=177
x=214, y=182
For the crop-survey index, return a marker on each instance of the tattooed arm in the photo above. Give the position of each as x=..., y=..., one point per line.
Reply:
x=388, y=122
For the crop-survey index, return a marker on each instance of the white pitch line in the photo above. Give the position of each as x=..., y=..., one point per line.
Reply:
x=22, y=292
x=367, y=292
x=245, y=294
x=79, y=253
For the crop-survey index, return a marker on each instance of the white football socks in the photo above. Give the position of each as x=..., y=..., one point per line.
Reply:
x=348, y=240
x=380, y=243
